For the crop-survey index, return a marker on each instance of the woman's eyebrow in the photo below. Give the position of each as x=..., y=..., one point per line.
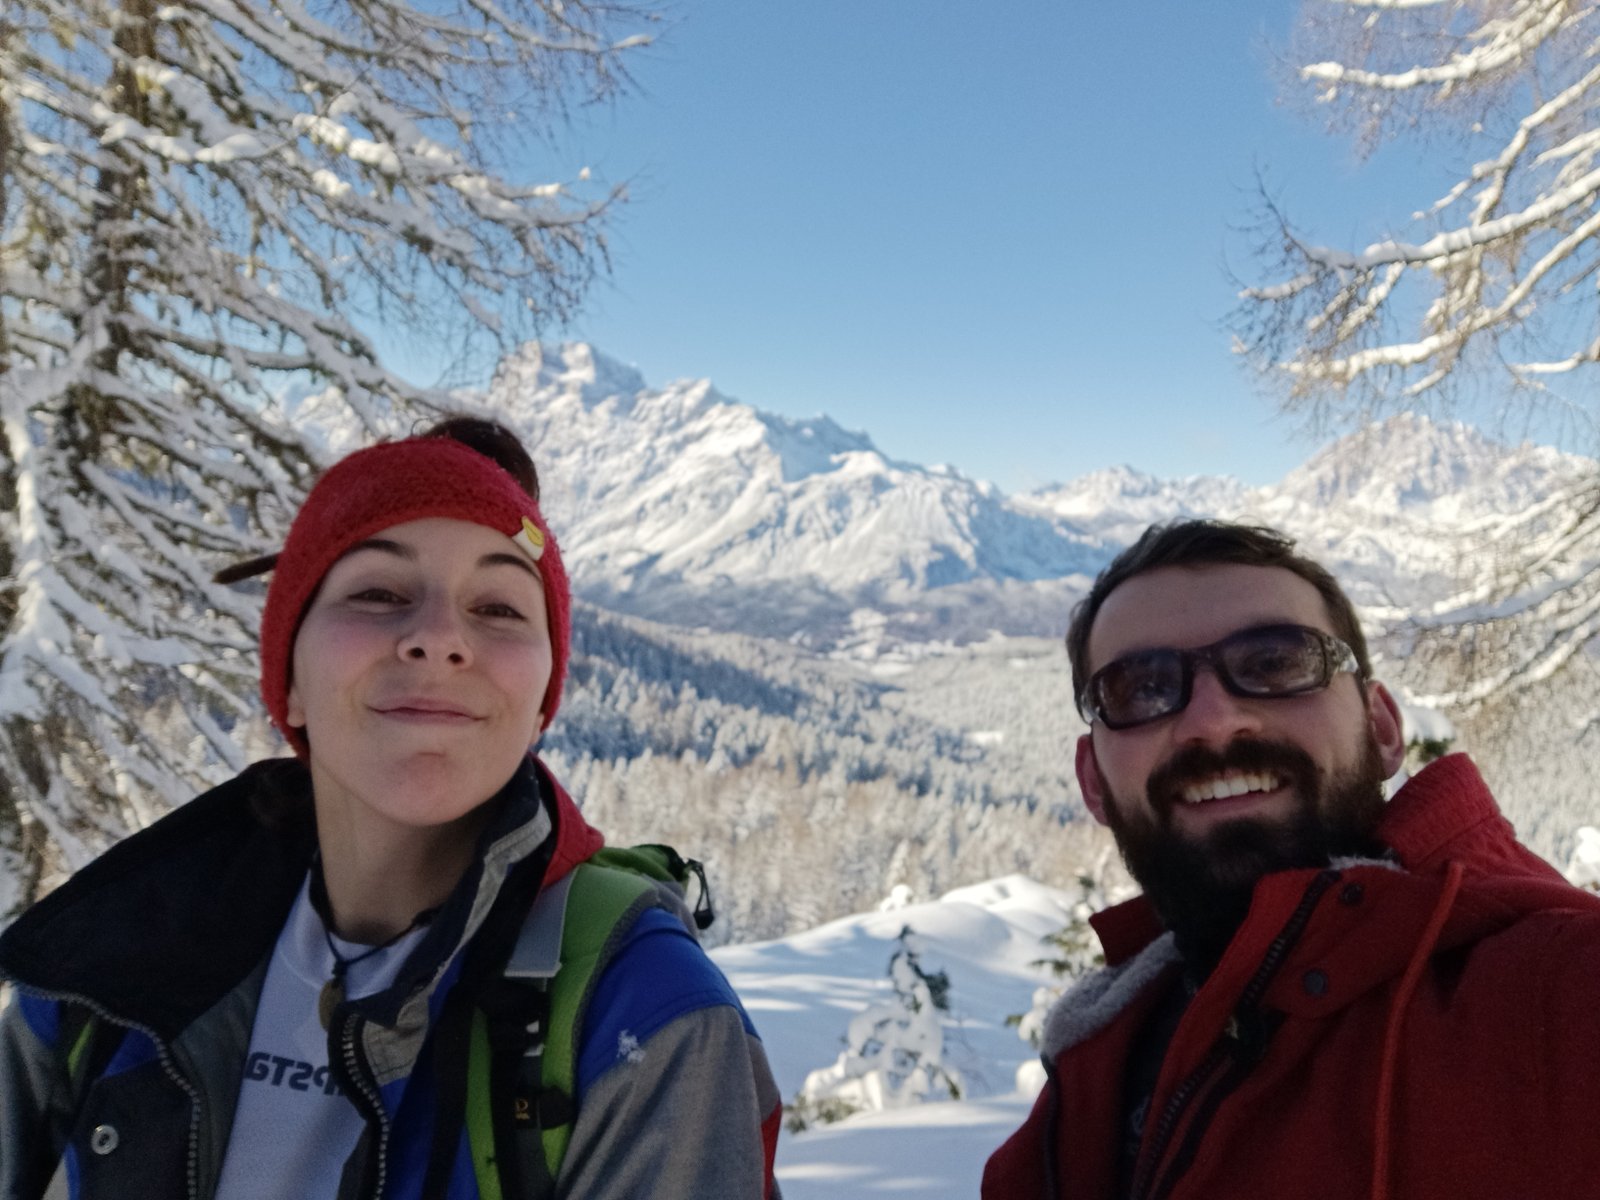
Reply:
x=384, y=545
x=495, y=558
x=499, y=558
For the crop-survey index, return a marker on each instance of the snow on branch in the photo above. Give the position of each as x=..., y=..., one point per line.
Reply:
x=1534, y=609
x=1494, y=290
x=1494, y=46
x=1504, y=281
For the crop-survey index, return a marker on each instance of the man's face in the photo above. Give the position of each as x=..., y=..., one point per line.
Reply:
x=1206, y=800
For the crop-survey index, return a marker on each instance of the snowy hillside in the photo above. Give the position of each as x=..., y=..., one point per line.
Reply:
x=684, y=506
x=802, y=991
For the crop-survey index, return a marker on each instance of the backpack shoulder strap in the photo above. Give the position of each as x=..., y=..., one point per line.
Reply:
x=601, y=905
x=76, y=1037
x=88, y=1043
x=571, y=933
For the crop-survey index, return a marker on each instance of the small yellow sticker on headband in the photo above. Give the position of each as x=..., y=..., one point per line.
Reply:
x=531, y=539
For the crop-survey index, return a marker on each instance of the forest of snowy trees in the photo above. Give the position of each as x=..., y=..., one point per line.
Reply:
x=807, y=790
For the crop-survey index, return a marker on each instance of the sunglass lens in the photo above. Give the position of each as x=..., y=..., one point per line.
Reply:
x=1274, y=662
x=1140, y=688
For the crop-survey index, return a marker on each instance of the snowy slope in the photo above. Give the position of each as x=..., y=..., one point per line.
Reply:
x=684, y=506
x=801, y=992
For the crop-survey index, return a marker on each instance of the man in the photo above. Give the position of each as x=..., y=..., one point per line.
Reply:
x=1320, y=993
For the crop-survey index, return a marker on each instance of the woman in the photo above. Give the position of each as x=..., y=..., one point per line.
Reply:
x=298, y=985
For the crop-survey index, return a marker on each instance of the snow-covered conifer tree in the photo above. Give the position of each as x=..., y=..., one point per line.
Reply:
x=1071, y=951
x=204, y=207
x=894, y=1051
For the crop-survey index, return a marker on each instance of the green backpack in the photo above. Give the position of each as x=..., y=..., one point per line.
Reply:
x=569, y=936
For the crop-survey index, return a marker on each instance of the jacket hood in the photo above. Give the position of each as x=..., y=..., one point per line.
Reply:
x=1445, y=816
x=1446, y=813
x=576, y=839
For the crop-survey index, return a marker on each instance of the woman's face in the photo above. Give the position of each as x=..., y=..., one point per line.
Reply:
x=418, y=673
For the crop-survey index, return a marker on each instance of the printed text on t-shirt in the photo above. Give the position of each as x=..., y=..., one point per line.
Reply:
x=289, y=1073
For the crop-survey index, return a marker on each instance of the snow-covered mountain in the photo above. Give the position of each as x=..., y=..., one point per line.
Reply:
x=1442, y=473
x=1397, y=509
x=681, y=505
x=1118, y=502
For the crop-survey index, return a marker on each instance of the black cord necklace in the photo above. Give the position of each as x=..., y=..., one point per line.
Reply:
x=333, y=992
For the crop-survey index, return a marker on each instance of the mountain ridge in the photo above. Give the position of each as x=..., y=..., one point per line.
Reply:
x=683, y=505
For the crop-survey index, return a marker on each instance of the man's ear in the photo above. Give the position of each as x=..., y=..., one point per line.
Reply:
x=1388, y=728
x=1089, y=779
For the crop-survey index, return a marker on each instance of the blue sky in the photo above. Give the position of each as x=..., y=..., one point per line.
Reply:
x=995, y=236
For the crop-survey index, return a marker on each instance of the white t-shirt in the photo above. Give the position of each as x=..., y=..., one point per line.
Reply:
x=293, y=1129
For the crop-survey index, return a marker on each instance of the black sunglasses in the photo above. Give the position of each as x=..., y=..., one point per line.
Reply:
x=1268, y=662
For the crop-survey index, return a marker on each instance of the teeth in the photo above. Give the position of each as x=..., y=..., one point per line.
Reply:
x=1226, y=786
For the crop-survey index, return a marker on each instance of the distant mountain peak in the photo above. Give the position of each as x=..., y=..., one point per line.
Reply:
x=668, y=495
x=573, y=367
x=1411, y=463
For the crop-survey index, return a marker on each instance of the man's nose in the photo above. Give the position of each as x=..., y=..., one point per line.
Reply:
x=1214, y=716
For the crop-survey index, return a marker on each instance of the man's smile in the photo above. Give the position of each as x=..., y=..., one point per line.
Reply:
x=1230, y=784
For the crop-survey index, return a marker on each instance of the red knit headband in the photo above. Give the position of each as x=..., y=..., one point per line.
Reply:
x=388, y=485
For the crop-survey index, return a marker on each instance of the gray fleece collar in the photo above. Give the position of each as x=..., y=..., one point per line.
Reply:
x=1096, y=1000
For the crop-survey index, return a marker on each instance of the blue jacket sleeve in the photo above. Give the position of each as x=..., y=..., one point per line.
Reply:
x=675, y=1097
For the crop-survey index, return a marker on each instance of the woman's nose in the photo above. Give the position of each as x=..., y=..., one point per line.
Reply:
x=436, y=634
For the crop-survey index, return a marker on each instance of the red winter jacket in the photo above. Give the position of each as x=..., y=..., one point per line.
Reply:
x=1431, y=1031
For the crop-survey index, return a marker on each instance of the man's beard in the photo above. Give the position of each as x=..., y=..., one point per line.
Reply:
x=1201, y=884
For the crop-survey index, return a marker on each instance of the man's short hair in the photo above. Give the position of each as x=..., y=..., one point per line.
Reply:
x=1201, y=543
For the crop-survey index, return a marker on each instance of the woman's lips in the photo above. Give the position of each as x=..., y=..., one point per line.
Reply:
x=424, y=712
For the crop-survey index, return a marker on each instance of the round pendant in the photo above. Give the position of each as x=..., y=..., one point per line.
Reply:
x=331, y=997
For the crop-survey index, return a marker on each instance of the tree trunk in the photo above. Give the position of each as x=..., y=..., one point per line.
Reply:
x=7, y=35
x=92, y=415
x=22, y=840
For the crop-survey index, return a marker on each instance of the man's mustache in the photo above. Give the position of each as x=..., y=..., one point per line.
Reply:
x=1194, y=764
